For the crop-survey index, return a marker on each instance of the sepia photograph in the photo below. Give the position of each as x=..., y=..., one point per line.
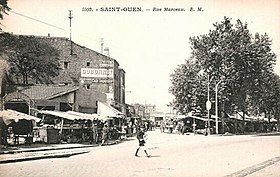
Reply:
x=139, y=88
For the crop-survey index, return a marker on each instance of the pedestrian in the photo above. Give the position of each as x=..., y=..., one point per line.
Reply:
x=94, y=133
x=105, y=132
x=194, y=128
x=123, y=132
x=162, y=126
x=141, y=139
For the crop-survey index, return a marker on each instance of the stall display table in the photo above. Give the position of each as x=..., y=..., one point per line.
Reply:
x=49, y=135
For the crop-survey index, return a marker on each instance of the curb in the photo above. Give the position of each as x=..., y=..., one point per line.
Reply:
x=44, y=149
x=54, y=148
x=41, y=157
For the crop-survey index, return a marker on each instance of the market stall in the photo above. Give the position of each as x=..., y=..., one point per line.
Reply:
x=19, y=126
x=69, y=127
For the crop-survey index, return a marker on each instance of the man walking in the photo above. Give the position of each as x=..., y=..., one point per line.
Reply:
x=105, y=132
x=94, y=137
x=140, y=136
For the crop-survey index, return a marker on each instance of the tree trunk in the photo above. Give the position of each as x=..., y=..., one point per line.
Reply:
x=269, y=125
x=23, y=79
x=223, y=117
x=243, y=121
x=26, y=78
x=278, y=124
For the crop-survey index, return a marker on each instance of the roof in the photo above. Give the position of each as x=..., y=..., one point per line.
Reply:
x=59, y=42
x=10, y=116
x=38, y=92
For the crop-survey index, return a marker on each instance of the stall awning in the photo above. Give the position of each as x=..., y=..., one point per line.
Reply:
x=10, y=116
x=200, y=118
x=72, y=115
x=107, y=110
x=60, y=114
x=87, y=116
x=239, y=115
x=179, y=117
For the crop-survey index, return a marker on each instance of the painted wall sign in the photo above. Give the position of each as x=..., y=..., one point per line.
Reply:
x=97, y=72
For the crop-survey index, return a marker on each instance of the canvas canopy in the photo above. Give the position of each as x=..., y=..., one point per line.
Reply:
x=72, y=115
x=61, y=114
x=88, y=116
x=10, y=116
x=105, y=110
x=238, y=116
x=179, y=117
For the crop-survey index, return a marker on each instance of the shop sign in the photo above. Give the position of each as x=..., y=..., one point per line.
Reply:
x=96, y=80
x=97, y=72
x=107, y=64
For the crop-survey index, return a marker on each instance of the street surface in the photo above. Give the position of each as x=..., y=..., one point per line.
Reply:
x=173, y=155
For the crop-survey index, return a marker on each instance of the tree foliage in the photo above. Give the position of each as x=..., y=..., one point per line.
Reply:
x=186, y=87
x=4, y=8
x=29, y=59
x=242, y=61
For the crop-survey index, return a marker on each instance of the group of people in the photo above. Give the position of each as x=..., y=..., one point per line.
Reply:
x=171, y=126
x=105, y=136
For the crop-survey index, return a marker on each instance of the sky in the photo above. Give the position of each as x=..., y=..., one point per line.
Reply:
x=148, y=44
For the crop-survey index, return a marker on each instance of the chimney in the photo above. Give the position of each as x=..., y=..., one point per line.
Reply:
x=106, y=52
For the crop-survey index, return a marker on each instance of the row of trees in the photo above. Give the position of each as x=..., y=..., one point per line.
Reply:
x=241, y=62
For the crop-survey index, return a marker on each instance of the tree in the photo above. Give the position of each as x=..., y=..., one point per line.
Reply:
x=229, y=53
x=29, y=59
x=269, y=102
x=3, y=9
x=187, y=87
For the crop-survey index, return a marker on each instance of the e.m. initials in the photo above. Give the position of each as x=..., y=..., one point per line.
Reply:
x=196, y=9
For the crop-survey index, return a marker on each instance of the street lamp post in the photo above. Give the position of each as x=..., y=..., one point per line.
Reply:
x=208, y=105
x=216, y=106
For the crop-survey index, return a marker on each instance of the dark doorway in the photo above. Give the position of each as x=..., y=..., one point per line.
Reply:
x=20, y=106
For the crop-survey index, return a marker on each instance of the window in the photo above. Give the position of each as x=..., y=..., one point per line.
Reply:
x=88, y=63
x=87, y=86
x=66, y=65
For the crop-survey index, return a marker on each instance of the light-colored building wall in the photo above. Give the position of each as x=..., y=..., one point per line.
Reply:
x=81, y=67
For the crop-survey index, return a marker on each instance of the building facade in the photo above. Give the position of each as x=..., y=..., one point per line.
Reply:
x=144, y=111
x=98, y=77
x=95, y=74
x=149, y=110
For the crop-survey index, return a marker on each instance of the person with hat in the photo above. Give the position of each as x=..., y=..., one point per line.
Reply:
x=105, y=132
x=140, y=136
x=94, y=133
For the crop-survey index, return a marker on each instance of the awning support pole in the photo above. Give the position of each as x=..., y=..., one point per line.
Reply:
x=61, y=126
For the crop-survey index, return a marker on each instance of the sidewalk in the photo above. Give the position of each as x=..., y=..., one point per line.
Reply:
x=41, y=147
x=42, y=151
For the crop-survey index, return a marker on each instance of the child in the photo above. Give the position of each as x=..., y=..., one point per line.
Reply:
x=140, y=136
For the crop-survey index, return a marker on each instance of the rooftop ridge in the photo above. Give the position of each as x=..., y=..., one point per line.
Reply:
x=49, y=37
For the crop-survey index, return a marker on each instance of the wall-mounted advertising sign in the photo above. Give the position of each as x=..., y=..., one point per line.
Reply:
x=97, y=72
x=107, y=64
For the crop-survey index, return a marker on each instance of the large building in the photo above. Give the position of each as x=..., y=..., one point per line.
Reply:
x=93, y=72
x=144, y=111
x=98, y=77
